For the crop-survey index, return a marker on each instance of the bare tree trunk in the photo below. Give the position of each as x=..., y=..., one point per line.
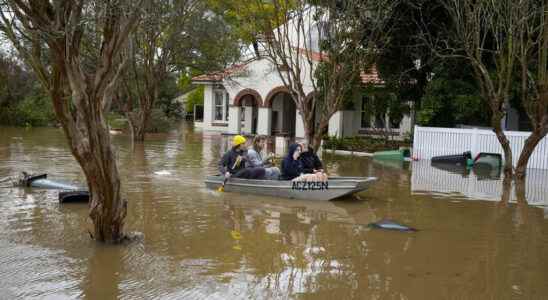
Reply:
x=89, y=140
x=107, y=209
x=81, y=83
x=137, y=121
x=506, y=191
x=521, y=188
x=530, y=144
x=504, y=143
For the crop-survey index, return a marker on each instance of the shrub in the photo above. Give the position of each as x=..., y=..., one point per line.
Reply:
x=117, y=121
x=158, y=122
x=196, y=97
x=362, y=144
x=35, y=109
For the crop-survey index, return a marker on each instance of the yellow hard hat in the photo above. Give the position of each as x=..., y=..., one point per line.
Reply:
x=238, y=140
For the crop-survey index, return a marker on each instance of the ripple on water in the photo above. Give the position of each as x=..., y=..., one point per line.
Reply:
x=34, y=272
x=202, y=244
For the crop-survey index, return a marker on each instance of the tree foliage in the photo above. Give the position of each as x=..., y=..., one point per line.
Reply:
x=251, y=20
x=172, y=36
x=452, y=97
x=503, y=41
x=196, y=97
x=329, y=36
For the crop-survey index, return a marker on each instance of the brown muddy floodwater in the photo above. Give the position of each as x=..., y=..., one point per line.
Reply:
x=201, y=244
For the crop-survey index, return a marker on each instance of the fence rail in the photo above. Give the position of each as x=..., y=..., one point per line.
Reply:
x=430, y=141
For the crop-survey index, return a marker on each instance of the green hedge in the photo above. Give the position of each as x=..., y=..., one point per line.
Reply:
x=362, y=144
x=34, y=110
x=158, y=122
x=117, y=121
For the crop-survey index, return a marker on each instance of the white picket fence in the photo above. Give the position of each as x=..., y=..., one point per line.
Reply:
x=430, y=141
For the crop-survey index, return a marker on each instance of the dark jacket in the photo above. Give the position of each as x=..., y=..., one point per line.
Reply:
x=228, y=162
x=291, y=168
x=310, y=161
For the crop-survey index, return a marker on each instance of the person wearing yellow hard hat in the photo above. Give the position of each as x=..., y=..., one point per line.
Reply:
x=238, y=140
x=233, y=162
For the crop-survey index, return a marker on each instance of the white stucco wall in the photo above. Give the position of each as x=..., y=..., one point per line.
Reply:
x=260, y=75
x=209, y=123
x=299, y=126
x=265, y=121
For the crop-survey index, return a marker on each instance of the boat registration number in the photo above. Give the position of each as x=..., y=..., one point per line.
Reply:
x=310, y=186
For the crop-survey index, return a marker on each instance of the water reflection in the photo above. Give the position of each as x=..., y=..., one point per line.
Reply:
x=477, y=184
x=200, y=244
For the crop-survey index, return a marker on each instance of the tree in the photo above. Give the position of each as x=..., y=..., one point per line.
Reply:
x=172, y=35
x=452, y=97
x=73, y=48
x=342, y=38
x=196, y=97
x=496, y=37
x=532, y=59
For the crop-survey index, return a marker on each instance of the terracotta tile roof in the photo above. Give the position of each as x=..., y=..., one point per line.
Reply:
x=371, y=76
x=313, y=55
x=220, y=75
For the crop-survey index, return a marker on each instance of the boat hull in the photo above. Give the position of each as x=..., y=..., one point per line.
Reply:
x=323, y=191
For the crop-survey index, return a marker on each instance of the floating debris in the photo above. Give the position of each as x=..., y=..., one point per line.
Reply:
x=391, y=225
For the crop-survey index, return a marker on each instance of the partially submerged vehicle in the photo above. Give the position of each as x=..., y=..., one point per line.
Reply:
x=335, y=187
x=69, y=192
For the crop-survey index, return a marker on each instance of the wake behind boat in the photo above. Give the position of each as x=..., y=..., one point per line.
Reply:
x=335, y=187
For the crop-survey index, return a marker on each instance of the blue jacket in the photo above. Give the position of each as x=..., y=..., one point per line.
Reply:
x=291, y=168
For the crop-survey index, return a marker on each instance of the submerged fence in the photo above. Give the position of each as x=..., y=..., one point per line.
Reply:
x=430, y=141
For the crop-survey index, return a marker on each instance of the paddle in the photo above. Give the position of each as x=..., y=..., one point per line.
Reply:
x=222, y=187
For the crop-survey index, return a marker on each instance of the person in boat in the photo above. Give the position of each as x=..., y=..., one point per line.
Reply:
x=311, y=163
x=233, y=162
x=255, y=160
x=291, y=165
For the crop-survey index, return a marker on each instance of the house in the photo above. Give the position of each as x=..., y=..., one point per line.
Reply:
x=250, y=98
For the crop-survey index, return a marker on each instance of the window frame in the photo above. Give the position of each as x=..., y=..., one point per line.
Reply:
x=223, y=106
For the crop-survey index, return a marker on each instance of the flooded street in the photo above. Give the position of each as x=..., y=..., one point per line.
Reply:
x=202, y=244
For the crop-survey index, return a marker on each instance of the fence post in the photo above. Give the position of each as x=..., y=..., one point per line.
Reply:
x=474, y=146
x=415, y=131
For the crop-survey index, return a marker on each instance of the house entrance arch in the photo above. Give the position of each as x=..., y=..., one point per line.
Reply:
x=284, y=111
x=249, y=102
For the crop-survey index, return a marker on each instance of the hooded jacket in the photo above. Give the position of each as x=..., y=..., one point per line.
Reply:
x=310, y=161
x=291, y=168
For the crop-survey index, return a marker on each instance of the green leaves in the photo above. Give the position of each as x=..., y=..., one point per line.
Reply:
x=196, y=97
x=452, y=97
